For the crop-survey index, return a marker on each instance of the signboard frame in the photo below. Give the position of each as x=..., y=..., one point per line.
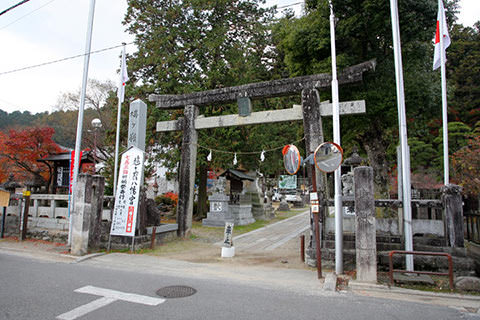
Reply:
x=287, y=182
x=127, y=196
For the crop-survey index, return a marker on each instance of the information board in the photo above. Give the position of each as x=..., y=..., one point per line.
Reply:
x=4, y=198
x=287, y=182
x=128, y=193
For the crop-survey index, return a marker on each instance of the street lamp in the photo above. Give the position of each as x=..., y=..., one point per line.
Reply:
x=96, y=124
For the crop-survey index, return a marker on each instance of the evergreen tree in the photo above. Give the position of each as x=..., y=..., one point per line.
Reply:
x=363, y=32
x=195, y=45
x=463, y=74
x=189, y=46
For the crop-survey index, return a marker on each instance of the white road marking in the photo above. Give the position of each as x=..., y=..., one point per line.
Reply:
x=118, y=295
x=108, y=296
x=86, y=308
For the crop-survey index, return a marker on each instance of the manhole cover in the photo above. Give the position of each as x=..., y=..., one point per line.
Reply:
x=176, y=292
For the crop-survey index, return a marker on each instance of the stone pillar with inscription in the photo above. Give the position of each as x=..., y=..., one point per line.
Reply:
x=98, y=188
x=137, y=124
x=365, y=233
x=219, y=212
x=82, y=213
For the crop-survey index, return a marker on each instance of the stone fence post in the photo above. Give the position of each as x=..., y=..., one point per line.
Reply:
x=452, y=204
x=82, y=212
x=365, y=233
x=95, y=230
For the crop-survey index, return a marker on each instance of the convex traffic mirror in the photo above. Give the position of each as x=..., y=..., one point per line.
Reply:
x=328, y=157
x=291, y=159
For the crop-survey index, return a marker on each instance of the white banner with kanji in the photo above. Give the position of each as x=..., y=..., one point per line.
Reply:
x=130, y=178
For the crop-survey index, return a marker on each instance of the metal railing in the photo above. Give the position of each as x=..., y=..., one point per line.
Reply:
x=450, y=265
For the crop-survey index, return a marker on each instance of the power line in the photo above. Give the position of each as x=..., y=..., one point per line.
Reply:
x=14, y=6
x=60, y=60
x=9, y=24
x=11, y=104
x=290, y=5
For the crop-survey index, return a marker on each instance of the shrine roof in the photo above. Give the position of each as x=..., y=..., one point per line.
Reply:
x=236, y=174
x=65, y=156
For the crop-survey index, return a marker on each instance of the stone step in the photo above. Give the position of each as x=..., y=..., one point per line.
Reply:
x=461, y=265
x=426, y=241
x=330, y=244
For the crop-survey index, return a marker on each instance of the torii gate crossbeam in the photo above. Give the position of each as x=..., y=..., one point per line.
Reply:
x=311, y=112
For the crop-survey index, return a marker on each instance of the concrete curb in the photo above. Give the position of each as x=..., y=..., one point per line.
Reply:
x=354, y=285
x=89, y=256
x=38, y=254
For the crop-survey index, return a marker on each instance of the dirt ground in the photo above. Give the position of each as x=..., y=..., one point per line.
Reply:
x=202, y=247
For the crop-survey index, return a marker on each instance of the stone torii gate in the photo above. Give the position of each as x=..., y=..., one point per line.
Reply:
x=310, y=112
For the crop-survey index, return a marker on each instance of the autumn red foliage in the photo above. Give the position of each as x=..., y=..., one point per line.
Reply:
x=173, y=196
x=20, y=150
x=466, y=166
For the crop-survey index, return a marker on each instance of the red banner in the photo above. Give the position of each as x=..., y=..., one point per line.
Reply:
x=72, y=160
x=131, y=210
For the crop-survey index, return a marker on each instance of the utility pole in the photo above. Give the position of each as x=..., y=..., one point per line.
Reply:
x=78, y=141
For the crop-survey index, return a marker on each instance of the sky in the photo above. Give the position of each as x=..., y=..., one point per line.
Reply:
x=41, y=31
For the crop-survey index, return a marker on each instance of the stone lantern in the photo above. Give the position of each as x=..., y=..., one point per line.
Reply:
x=353, y=161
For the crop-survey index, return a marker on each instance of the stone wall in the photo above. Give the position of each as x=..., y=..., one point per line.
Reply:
x=390, y=226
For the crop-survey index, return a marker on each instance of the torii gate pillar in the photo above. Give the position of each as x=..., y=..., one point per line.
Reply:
x=311, y=113
x=187, y=171
x=313, y=130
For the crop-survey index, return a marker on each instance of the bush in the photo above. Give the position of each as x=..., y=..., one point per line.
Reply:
x=173, y=197
x=169, y=198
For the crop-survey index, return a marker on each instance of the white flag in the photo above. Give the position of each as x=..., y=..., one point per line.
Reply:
x=123, y=78
x=441, y=24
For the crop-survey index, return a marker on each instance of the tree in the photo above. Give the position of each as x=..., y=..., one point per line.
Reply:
x=421, y=154
x=466, y=166
x=20, y=151
x=196, y=45
x=458, y=134
x=99, y=98
x=463, y=74
x=100, y=102
x=18, y=120
x=363, y=31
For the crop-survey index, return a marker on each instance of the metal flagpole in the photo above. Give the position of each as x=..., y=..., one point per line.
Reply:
x=119, y=113
x=78, y=141
x=444, y=97
x=336, y=138
x=407, y=209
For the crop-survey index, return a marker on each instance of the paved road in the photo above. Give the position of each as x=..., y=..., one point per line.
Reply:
x=97, y=289
x=274, y=235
